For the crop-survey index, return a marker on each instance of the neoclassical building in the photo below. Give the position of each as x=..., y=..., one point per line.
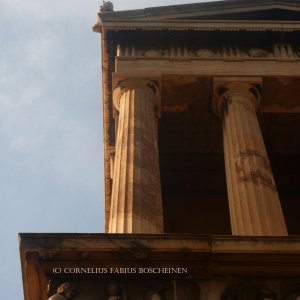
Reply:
x=201, y=122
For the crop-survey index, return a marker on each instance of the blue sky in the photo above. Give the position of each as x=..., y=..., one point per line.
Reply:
x=51, y=149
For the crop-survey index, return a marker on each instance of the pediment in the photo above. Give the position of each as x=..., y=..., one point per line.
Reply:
x=231, y=10
x=269, y=10
x=271, y=14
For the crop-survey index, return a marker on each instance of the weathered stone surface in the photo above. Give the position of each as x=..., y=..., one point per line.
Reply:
x=65, y=291
x=136, y=204
x=253, y=199
x=215, y=265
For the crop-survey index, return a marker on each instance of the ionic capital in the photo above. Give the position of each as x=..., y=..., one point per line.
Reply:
x=149, y=86
x=226, y=90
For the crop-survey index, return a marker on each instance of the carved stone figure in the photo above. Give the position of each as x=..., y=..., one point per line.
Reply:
x=182, y=290
x=205, y=53
x=292, y=292
x=154, y=293
x=266, y=294
x=116, y=291
x=258, y=53
x=152, y=296
x=66, y=291
x=232, y=292
x=106, y=6
x=295, y=296
x=229, y=295
x=243, y=54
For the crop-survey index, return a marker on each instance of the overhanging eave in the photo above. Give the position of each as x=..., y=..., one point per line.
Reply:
x=209, y=25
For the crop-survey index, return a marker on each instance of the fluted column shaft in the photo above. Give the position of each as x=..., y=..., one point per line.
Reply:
x=254, y=204
x=136, y=204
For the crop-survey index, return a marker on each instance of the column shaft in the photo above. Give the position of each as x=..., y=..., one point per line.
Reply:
x=253, y=198
x=136, y=204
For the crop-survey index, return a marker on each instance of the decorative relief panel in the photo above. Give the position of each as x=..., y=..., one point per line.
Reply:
x=279, y=51
x=250, y=291
x=168, y=289
x=128, y=290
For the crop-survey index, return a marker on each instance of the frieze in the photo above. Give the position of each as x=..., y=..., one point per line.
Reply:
x=278, y=51
x=125, y=290
x=175, y=289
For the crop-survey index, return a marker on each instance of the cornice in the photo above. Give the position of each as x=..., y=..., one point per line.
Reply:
x=34, y=242
x=209, y=25
x=205, y=16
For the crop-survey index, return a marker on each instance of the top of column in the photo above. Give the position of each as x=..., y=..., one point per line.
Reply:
x=149, y=86
x=224, y=88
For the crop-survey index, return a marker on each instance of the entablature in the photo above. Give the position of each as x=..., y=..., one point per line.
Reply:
x=209, y=25
x=239, y=15
x=231, y=51
x=209, y=67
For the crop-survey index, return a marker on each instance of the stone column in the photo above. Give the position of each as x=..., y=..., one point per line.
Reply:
x=136, y=203
x=254, y=204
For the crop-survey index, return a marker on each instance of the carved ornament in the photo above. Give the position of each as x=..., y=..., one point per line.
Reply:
x=279, y=51
x=149, y=86
x=224, y=90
